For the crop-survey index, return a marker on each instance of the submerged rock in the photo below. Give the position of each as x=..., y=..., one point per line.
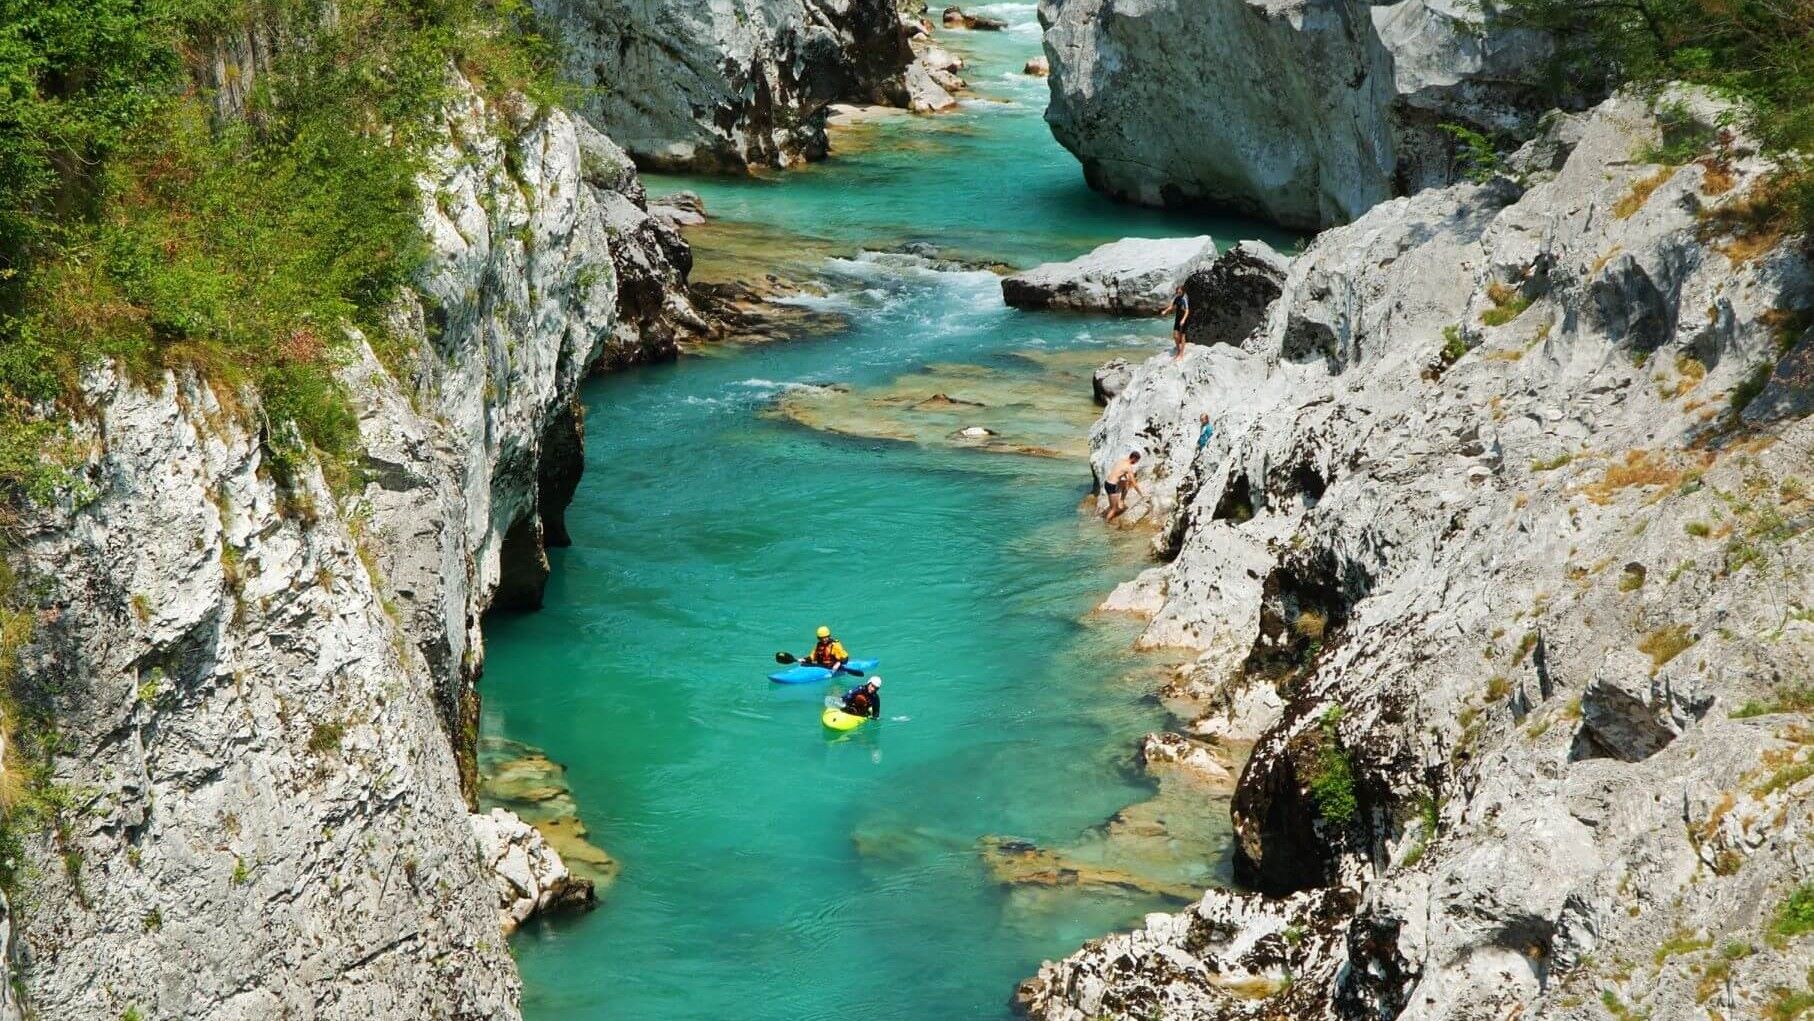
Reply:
x=1014, y=862
x=680, y=209
x=1133, y=276
x=954, y=17
x=524, y=782
x=1037, y=413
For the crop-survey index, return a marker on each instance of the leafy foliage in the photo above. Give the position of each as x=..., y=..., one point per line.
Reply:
x=1756, y=51
x=1795, y=916
x=1332, y=778
x=149, y=217
x=1479, y=158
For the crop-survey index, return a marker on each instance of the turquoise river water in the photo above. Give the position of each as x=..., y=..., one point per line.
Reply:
x=770, y=871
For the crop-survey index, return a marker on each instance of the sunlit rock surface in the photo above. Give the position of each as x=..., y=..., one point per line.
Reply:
x=1488, y=559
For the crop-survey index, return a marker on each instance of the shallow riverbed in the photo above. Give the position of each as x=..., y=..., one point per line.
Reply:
x=769, y=871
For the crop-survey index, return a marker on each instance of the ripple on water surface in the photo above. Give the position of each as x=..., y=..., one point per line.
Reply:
x=732, y=503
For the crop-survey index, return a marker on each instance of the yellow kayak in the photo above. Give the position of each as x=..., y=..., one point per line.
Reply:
x=838, y=719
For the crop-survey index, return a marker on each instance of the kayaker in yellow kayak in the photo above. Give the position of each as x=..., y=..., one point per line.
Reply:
x=828, y=652
x=865, y=700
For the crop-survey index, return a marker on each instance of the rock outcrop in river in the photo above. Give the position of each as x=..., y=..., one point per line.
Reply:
x=1304, y=112
x=262, y=675
x=1500, y=555
x=1133, y=276
x=728, y=84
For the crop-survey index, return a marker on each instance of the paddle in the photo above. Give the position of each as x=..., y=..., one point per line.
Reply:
x=788, y=658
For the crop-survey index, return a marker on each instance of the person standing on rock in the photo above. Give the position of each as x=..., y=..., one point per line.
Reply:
x=1208, y=431
x=1179, y=310
x=1121, y=481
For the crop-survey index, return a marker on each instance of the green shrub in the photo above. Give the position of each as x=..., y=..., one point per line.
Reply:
x=1757, y=53
x=1795, y=916
x=1508, y=304
x=1551, y=464
x=1332, y=776
x=1478, y=156
x=1454, y=345
x=137, y=225
x=326, y=736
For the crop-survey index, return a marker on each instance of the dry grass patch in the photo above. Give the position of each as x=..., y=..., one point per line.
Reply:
x=1310, y=625
x=1640, y=193
x=1639, y=469
x=1752, y=225
x=1508, y=304
x=1665, y=644
x=1717, y=177
x=1689, y=371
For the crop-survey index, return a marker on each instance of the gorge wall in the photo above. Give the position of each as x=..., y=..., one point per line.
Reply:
x=261, y=677
x=1303, y=112
x=1498, y=556
x=728, y=84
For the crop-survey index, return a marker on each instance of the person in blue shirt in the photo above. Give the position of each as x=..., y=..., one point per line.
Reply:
x=1208, y=431
x=1179, y=310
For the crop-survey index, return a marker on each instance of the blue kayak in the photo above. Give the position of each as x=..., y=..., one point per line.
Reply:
x=803, y=674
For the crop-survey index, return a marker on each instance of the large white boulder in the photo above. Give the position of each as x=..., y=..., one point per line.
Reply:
x=1133, y=276
x=1303, y=112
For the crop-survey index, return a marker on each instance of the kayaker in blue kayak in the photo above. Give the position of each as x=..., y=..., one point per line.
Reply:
x=828, y=652
x=865, y=700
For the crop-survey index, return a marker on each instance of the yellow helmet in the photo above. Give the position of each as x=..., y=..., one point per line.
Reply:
x=824, y=632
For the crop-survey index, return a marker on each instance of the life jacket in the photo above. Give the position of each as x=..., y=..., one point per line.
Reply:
x=829, y=652
x=857, y=702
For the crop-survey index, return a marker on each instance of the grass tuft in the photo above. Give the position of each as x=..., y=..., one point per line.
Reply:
x=1665, y=644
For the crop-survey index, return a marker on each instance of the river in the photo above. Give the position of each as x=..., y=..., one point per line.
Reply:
x=770, y=871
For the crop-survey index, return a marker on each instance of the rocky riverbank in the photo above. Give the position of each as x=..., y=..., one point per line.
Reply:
x=728, y=87
x=1496, y=555
x=262, y=675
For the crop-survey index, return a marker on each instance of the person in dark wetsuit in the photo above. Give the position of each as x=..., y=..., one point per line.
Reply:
x=865, y=700
x=1179, y=310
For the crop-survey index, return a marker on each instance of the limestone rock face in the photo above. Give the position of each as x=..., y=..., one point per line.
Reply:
x=264, y=685
x=1272, y=108
x=1230, y=296
x=1303, y=112
x=1133, y=276
x=1110, y=379
x=1450, y=66
x=1789, y=389
x=9, y=1002
x=1486, y=558
x=723, y=85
